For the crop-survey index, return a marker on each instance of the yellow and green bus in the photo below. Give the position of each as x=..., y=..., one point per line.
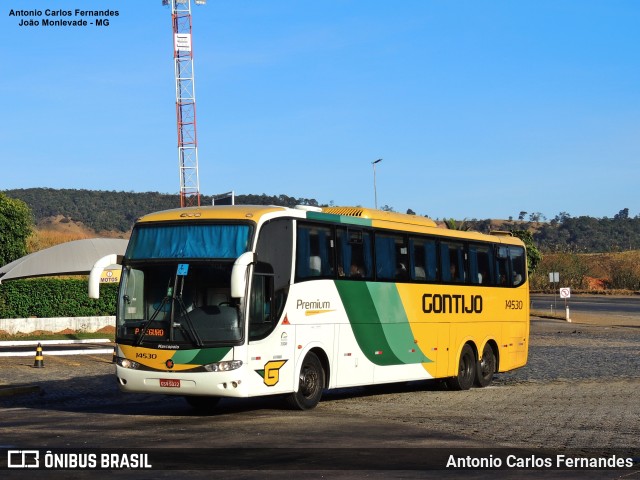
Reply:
x=243, y=301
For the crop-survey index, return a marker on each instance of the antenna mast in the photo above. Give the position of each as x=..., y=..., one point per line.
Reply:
x=185, y=101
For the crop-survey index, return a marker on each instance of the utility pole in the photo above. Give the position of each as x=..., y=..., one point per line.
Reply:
x=185, y=101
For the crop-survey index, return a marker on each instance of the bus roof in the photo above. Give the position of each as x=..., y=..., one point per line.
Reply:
x=402, y=222
x=366, y=217
x=371, y=214
x=225, y=212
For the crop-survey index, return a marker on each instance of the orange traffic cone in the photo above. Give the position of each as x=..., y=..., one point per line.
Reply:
x=39, y=363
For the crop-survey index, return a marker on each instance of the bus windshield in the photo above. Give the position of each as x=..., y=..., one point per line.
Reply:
x=184, y=304
x=175, y=286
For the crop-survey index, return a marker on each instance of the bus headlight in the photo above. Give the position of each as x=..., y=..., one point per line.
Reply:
x=126, y=363
x=223, y=366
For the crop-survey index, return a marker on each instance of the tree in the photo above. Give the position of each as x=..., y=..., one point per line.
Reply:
x=536, y=217
x=534, y=257
x=562, y=217
x=455, y=225
x=16, y=224
x=622, y=214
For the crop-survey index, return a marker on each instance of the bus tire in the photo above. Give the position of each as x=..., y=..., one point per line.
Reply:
x=466, y=370
x=486, y=367
x=202, y=404
x=311, y=384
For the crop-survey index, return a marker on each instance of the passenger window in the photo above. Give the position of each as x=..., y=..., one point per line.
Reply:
x=314, y=252
x=354, y=254
x=502, y=266
x=518, y=265
x=452, y=260
x=481, y=264
x=424, y=261
x=392, y=257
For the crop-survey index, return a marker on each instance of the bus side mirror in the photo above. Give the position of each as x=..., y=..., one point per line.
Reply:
x=239, y=274
x=96, y=271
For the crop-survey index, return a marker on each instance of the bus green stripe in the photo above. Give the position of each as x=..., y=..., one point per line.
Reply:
x=200, y=357
x=345, y=219
x=366, y=304
x=396, y=326
x=365, y=322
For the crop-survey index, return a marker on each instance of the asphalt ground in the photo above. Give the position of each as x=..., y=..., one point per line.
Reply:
x=600, y=347
x=580, y=392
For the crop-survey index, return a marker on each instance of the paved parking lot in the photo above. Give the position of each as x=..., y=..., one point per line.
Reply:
x=579, y=393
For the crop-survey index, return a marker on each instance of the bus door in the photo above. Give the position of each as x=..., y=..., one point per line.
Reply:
x=270, y=339
x=270, y=345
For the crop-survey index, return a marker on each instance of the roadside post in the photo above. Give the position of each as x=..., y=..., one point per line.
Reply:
x=566, y=294
x=554, y=277
x=39, y=362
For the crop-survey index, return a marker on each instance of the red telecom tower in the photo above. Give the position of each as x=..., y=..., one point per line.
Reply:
x=185, y=101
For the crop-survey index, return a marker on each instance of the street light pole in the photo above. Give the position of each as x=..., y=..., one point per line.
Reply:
x=375, y=191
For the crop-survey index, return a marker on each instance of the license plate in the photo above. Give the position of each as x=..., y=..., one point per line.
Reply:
x=169, y=383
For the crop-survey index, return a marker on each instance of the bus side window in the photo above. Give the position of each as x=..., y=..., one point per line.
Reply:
x=518, y=265
x=423, y=259
x=481, y=264
x=354, y=254
x=391, y=257
x=502, y=266
x=314, y=252
x=452, y=260
x=260, y=318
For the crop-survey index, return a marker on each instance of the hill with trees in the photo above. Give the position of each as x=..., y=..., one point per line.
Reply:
x=113, y=213
x=110, y=211
x=591, y=254
x=565, y=233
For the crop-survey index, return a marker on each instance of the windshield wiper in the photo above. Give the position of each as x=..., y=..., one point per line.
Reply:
x=191, y=332
x=146, y=324
x=172, y=297
x=184, y=314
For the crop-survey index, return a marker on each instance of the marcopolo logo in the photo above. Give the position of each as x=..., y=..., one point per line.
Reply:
x=23, y=459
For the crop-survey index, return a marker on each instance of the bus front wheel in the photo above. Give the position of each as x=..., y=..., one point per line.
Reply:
x=466, y=370
x=311, y=384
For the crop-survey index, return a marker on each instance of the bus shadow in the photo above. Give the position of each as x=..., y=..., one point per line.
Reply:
x=384, y=389
x=100, y=394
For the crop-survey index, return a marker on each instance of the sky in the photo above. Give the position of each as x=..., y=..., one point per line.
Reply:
x=478, y=109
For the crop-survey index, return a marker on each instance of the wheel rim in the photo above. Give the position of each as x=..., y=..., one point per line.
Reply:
x=488, y=362
x=309, y=381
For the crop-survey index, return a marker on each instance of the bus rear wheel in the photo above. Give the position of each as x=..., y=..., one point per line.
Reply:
x=311, y=384
x=486, y=367
x=466, y=370
x=202, y=404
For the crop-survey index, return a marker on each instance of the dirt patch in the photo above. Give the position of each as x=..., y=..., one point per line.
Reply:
x=108, y=329
x=608, y=320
